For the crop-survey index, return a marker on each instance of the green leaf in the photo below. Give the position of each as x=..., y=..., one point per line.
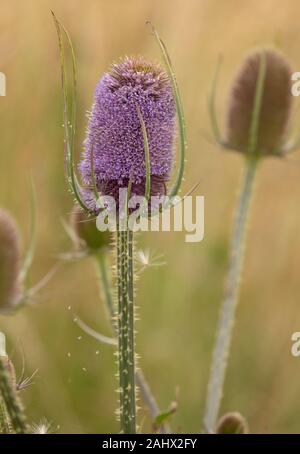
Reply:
x=164, y=416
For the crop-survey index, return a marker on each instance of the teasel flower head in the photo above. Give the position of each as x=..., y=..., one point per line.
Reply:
x=86, y=233
x=10, y=255
x=260, y=105
x=132, y=91
x=232, y=423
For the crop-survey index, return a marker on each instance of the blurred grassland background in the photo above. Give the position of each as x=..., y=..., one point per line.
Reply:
x=178, y=303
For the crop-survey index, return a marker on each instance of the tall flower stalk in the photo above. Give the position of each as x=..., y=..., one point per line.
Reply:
x=126, y=335
x=230, y=301
x=258, y=115
x=89, y=241
x=12, y=410
x=12, y=416
x=129, y=144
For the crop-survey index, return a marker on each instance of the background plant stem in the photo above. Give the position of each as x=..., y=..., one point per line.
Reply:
x=5, y=424
x=106, y=286
x=228, y=309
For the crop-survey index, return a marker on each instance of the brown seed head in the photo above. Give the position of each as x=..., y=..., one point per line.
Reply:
x=275, y=107
x=232, y=423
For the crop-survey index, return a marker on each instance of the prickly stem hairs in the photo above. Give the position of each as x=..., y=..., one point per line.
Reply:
x=85, y=240
x=126, y=338
x=102, y=269
x=13, y=417
x=258, y=114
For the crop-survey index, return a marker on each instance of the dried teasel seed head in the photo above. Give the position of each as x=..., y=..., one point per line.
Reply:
x=10, y=285
x=86, y=231
x=232, y=423
x=275, y=106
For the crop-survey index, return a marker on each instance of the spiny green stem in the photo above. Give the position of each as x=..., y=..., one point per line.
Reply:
x=130, y=265
x=11, y=400
x=141, y=381
x=5, y=425
x=126, y=343
x=228, y=309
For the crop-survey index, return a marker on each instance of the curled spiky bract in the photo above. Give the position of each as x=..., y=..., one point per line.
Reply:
x=275, y=107
x=10, y=285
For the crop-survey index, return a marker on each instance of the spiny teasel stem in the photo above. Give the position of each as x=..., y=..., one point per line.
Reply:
x=11, y=400
x=229, y=305
x=5, y=424
x=143, y=386
x=126, y=342
x=130, y=266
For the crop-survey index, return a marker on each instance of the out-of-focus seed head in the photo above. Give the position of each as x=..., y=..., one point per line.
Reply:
x=114, y=132
x=232, y=423
x=10, y=285
x=86, y=231
x=275, y=108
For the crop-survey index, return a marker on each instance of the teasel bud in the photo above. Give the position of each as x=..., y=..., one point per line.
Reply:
x=275, y=109
x=86, y=233
x=114, y=151
x=232, y=423
x=10, y=255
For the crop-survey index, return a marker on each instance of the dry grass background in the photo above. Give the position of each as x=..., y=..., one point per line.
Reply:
x=178, y=303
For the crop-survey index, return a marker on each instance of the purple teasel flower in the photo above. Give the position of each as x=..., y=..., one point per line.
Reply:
x=114, y=153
